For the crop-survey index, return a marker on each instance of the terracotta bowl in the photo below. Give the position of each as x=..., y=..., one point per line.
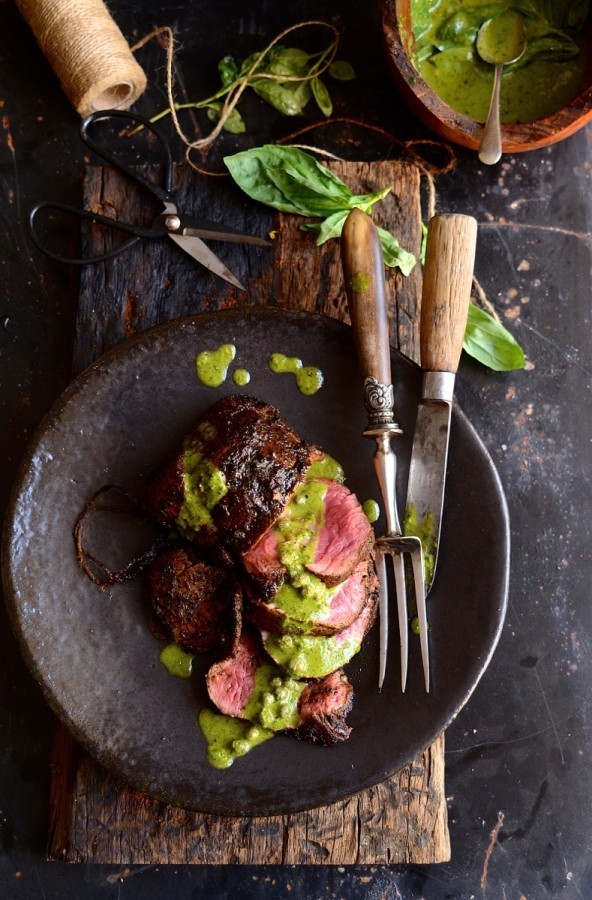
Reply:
x=453, y=126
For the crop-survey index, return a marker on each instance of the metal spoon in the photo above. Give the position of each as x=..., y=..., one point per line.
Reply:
x=500, y=40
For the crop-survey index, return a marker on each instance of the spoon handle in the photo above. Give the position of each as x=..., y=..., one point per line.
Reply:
x=491, y=142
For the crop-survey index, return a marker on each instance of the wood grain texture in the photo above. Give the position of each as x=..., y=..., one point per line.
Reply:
x=447, y=282
x=93, y=817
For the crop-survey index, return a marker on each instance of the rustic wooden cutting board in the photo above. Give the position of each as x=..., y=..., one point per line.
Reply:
x=93, y=817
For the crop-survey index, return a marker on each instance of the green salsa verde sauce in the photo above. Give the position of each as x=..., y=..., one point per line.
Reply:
x=176, y=660
x=549, y=74
x=212, y=365
x=371, y=510
x=309, y=656
x=241, y=377
x=425, y=530
x=302, y=597
x=204, y=485
x=309, y=379
x=229, y=738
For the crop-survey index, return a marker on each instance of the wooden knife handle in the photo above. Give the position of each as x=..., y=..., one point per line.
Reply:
x=363, y=272
x=447, y=281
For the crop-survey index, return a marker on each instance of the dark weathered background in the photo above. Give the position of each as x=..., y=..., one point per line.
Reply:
x=517, y=756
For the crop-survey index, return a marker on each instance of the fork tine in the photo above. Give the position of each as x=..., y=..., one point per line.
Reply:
x=401, y=591
x=382, y=616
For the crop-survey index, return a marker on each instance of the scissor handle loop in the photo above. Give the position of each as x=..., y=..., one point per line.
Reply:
x=136, y=231
x=164, y=194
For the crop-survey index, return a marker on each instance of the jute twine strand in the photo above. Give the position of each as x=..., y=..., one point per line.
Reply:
x=87, y=51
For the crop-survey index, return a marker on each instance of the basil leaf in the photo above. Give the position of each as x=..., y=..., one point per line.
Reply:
x=331, y=227
x=490, y=343
x=288, y=61
x=289, y=180
x=234, y=124
x=228, y=69
x=393, y=253
x=321, y=95
x=341, y=70
x=289, y=98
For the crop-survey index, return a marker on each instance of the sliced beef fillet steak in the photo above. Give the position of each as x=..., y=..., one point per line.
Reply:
x=344, y=538
x=245, y=460
x=198, y=605
x=343, y=607
x=247, y=686
x=313, y=656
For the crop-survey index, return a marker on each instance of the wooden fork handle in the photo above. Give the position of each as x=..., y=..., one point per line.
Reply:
x=363, y=272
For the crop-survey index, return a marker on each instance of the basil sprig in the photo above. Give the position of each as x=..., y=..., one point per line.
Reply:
x=292, y=181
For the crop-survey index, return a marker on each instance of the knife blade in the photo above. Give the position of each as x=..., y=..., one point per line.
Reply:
x=447, y=280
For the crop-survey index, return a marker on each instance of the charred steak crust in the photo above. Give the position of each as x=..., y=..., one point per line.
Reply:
x=262, y=460
x=323, y=708
x=199, y=605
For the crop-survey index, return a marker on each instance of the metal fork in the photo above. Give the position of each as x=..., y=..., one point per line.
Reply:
x=363, y=269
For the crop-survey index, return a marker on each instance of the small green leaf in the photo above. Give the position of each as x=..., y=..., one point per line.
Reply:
x=321, y=95
x=234, y=124
x=490, y=343
x=228, y=69
x=341, y=70
x=289, y=98
x=331, y=227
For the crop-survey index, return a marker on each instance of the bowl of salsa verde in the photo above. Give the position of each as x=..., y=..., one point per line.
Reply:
x=545, y=96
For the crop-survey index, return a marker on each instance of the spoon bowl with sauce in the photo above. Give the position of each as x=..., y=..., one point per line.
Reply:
x=538, y=116
x=501, y=40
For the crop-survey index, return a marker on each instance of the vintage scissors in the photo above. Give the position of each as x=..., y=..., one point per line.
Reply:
x=186, y=231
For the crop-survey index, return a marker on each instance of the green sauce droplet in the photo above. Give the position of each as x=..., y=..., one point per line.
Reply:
x=176, y=660
x=212, y=365
x=241, y=377
x=371, y=509
x=309, y=379
x=360, y=282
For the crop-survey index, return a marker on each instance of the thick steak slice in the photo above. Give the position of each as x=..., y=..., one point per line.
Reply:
x=246, y=686
x=344, y=538
x=198, y=605
x=308, y=656
x=344, y=607
x=259, y=459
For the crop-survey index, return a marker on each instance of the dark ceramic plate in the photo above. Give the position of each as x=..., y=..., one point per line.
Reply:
x=92, y=651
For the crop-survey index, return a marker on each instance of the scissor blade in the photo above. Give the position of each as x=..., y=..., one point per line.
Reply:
x=214, y=232
x=196, y=248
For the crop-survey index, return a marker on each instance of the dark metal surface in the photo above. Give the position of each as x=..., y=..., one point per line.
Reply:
x=518, y=776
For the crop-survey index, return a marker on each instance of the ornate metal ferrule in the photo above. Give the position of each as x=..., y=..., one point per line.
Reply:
x=379, y=403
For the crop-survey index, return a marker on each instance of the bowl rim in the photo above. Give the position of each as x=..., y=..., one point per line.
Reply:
x=462, y=129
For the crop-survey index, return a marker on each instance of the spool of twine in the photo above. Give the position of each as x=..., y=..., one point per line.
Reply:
x=87, y=51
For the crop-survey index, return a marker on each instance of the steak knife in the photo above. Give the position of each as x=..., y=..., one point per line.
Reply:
x=447, y=281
